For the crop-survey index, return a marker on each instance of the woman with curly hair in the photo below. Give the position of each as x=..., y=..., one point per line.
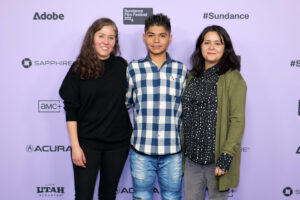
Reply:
x=97, y=119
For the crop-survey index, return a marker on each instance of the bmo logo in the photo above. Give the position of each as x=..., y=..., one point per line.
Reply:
x=48, y=16
x=49, y=106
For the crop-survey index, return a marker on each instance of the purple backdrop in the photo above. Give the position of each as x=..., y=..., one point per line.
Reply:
x=37, y=53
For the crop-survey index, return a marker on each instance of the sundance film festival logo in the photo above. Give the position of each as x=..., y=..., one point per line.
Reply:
x=27, y=63
x=48, y=16
x=136, y=15
x=47, y=148
x=49, y=106
x=226, y=16
x=50, y=190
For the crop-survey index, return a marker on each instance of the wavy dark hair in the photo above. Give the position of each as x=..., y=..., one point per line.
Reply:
x=158, y=20
x=87, y=63
x=229, y=59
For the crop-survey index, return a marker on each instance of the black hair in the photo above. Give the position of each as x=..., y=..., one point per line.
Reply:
x=229, y=59
x=158, y=20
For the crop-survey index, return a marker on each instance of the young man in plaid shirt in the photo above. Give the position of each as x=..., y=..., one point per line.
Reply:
x=155, y=85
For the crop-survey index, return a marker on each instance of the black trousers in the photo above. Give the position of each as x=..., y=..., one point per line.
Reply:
x=110, y=163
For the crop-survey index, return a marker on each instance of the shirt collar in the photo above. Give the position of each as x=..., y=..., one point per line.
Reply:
x=211, y=71
x=168, y=59
x=108, y=60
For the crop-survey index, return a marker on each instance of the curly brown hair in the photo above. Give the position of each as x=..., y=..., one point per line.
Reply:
x=87, y=63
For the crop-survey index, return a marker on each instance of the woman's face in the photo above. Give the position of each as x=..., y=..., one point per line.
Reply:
x=104, y=42
x=212, y=49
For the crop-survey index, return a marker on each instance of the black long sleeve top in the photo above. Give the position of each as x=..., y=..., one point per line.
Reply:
x=98, y=105
x=199, y=103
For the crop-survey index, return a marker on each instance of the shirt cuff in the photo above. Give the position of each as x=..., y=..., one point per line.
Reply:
x=71, y=116
x=224, y=161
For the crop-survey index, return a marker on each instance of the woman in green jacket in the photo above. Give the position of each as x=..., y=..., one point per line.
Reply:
x=213, y=117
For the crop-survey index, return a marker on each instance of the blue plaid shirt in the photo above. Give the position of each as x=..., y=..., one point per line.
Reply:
x=155, y=94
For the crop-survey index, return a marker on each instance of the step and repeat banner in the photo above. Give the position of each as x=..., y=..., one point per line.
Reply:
x=40, y=39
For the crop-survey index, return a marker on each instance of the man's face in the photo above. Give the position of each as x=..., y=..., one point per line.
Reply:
x=157, y=40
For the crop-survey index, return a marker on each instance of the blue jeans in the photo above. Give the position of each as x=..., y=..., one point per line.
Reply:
x=144, y=169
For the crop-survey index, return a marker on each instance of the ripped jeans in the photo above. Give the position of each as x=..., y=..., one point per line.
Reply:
x=144, y=169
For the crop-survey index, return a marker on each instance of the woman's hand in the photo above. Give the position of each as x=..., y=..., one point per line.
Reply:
x=78, y=157
x=219, y=172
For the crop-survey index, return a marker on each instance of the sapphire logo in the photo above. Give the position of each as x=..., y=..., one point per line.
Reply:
x=50, y=190
x=288, y=191
x=49, y=106
x=26, y=62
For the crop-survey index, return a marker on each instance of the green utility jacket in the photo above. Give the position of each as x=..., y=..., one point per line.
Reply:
x=231, y=92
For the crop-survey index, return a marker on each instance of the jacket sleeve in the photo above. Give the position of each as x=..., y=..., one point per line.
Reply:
x=236, y=122
x=69, y=92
